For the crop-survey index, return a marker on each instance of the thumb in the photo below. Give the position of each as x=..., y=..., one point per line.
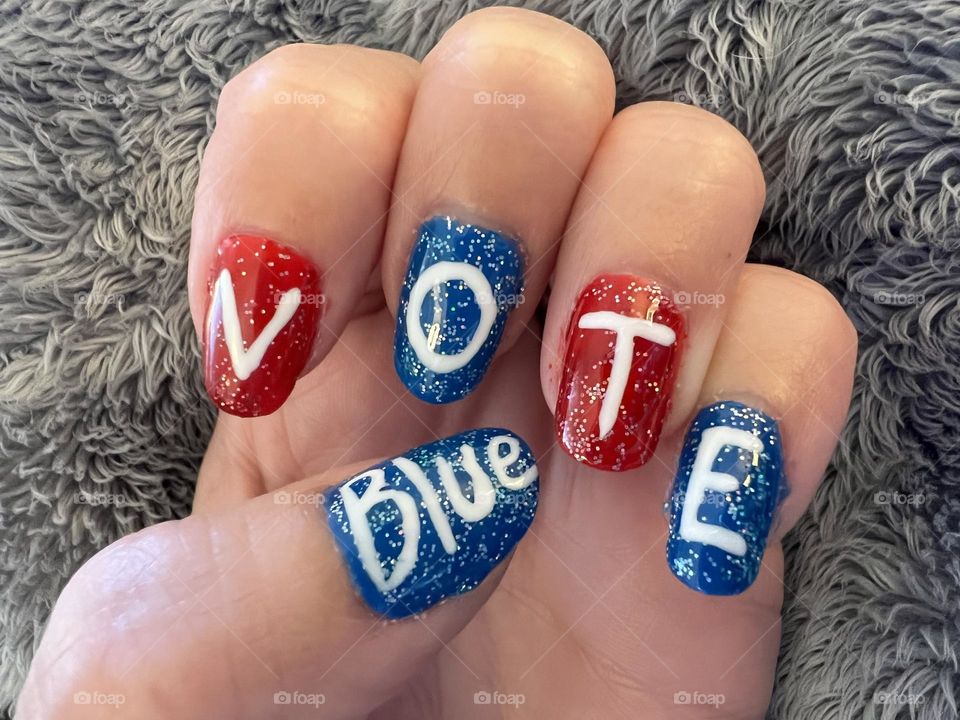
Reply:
x=292, y=599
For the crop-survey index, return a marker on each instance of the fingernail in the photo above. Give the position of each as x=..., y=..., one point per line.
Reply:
x=261, y=322
x=433, y=522
x=462, y=283
x=624, y=344
x=727, y=488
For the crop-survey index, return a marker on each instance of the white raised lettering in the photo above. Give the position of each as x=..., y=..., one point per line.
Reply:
x=703, y=478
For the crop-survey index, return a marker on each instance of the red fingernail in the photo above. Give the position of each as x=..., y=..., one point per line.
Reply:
x=261, y=323
x=623, y=348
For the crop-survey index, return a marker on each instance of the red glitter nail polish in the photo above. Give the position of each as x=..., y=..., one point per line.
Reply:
x=624, y=345
x=262, y=319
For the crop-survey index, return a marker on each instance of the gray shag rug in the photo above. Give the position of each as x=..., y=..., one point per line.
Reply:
x=854, y=107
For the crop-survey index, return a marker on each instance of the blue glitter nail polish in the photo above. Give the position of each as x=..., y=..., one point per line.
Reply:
x=434, y=522
x=461, y=285
x=728, y=485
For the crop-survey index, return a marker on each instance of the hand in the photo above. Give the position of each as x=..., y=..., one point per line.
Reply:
x=267, y=601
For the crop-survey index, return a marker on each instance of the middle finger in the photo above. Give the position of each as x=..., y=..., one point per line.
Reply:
x=510, y=106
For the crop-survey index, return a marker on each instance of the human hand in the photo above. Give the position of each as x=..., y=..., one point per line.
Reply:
x=253, y=608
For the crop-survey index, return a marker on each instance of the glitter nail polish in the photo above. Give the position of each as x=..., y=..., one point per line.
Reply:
x=623, y=348
x=461, y=285
x=433, y=522
x=261, y=323
x=727, y=488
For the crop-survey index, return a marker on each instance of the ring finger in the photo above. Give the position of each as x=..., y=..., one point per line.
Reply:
x=655, y=243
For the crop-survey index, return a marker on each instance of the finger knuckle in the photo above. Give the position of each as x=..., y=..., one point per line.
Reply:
x=815, y=315
x=504, y=43
x=322, y=80
x=696, y=138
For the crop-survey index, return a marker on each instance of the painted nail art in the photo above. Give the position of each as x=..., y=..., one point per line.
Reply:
x=623, y=347
x=262, y=319
x=462, y=283
x=728, y=485
x=433, y=523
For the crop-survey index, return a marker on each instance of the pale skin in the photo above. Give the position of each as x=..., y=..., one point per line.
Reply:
x=210, y=616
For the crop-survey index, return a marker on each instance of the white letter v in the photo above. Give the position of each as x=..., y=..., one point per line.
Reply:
x=246, y=361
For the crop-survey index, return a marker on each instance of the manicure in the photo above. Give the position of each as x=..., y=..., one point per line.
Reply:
x=728, y=485
x=434, y=522
x=624, y=344
x=261, y=323
x=461, y=285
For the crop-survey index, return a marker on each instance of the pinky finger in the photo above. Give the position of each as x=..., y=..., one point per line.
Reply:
x=773, y=403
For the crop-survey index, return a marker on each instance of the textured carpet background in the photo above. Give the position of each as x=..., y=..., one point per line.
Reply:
x=105, y=107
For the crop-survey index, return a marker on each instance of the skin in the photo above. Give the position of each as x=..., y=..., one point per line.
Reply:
x=209, y=616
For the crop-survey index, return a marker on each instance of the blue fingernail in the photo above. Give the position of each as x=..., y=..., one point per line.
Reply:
x=462, y=283
x=434, y=522
x=727, y=487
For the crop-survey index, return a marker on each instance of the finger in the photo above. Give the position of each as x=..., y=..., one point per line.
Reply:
x=509, y=109
x=290, y=212
x=655, y=242
x=230, y=615
x=787, y=350
x=772, y=406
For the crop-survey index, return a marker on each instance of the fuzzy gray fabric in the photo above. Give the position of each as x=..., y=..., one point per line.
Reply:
x=105, y=107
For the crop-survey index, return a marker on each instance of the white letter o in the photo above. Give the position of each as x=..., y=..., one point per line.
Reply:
x=433, y=276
